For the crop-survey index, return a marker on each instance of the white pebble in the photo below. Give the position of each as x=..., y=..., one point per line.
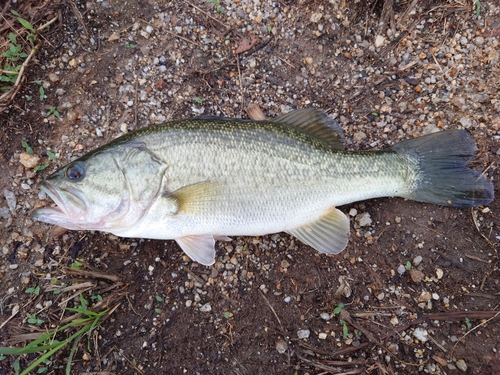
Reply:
x=401, y=269
x=281, y=346
x=303, y=333
x=421, y=334
x=206, y=308
x=322, y=336
x=364, y=219
x=461, y=365
x=353, y=212
x=325, y=316
x=417, y=260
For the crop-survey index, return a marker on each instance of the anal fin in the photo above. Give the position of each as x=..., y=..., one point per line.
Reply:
x=200, y=248
x=328, y=235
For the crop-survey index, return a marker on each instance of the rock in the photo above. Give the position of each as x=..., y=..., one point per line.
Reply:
x=364, y=219
x=461, y=365
x=206, y=308
x=284, y=264
x=10, y=197
x=417, y=260
x=401, y=269
x=424, y=296
x=4, y=212
x=379, y=41
x=303, y=333
x=439, y=273
x=72, y=115
x=29, y=161
x=421, y=334
x=416, y=275
x=316, y=17
x=53, y=77
x=358, y=136
x=353, y=212
x=114, y=37
x=281, y=346
x=466, y=122
x=325, y=316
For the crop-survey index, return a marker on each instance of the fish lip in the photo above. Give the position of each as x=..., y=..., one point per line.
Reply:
x=62, y=211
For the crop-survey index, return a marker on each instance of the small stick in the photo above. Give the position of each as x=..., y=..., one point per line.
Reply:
x=287, y=62
x=241, y=85
x=208, y=15
x=476, y=327
x=181, y=37
x=272, y=309
x=477, y=227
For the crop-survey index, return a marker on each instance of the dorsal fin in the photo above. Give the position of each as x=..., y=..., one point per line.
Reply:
x=316, y=124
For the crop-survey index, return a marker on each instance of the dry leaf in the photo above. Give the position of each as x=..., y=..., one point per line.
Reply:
x=246, y=44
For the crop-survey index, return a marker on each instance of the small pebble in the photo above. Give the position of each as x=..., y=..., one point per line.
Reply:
x=303, y=333
x=421, y=334
x=325, y=316
x=364, y=219
x=401, y=269
x=29, y=161
x=424, y=296
x=461, y=365
x=353, y=212
x=439, y=273
x=417, y=260
x=10, y=197
x=281, y=346
x=206, y=308
x=322, y=336
x=416, y=275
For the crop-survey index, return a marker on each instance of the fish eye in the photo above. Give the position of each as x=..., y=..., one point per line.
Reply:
x=75, y=172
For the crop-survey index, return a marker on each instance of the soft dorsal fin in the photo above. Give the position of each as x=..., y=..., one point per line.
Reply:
x=316, y=124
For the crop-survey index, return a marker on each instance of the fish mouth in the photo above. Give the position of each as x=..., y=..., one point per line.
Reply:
x=69, y=210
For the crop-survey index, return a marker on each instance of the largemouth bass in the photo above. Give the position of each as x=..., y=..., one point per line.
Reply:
x=199, y=180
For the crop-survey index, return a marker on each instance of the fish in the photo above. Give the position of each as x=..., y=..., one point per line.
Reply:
x=205, y=179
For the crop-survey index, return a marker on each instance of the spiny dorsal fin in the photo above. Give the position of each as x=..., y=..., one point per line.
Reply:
x=316, y=124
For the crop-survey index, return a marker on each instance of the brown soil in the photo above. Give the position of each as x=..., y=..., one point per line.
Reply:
x=154, y=329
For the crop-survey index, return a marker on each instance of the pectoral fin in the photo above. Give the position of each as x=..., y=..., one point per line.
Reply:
x=328, y=235
x=200, y=248
x=196, y=198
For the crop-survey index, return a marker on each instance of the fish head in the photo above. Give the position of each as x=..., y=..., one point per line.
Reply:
x=90, y=193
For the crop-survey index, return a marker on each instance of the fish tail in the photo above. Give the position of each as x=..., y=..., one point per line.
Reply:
x=439, y=173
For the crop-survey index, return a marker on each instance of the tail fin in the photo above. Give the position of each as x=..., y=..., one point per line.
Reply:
x=440, y=174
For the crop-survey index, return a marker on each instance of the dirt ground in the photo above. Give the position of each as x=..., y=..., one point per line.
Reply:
x=419, y=284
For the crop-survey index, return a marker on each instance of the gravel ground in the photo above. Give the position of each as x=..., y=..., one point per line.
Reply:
x=419, y=284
